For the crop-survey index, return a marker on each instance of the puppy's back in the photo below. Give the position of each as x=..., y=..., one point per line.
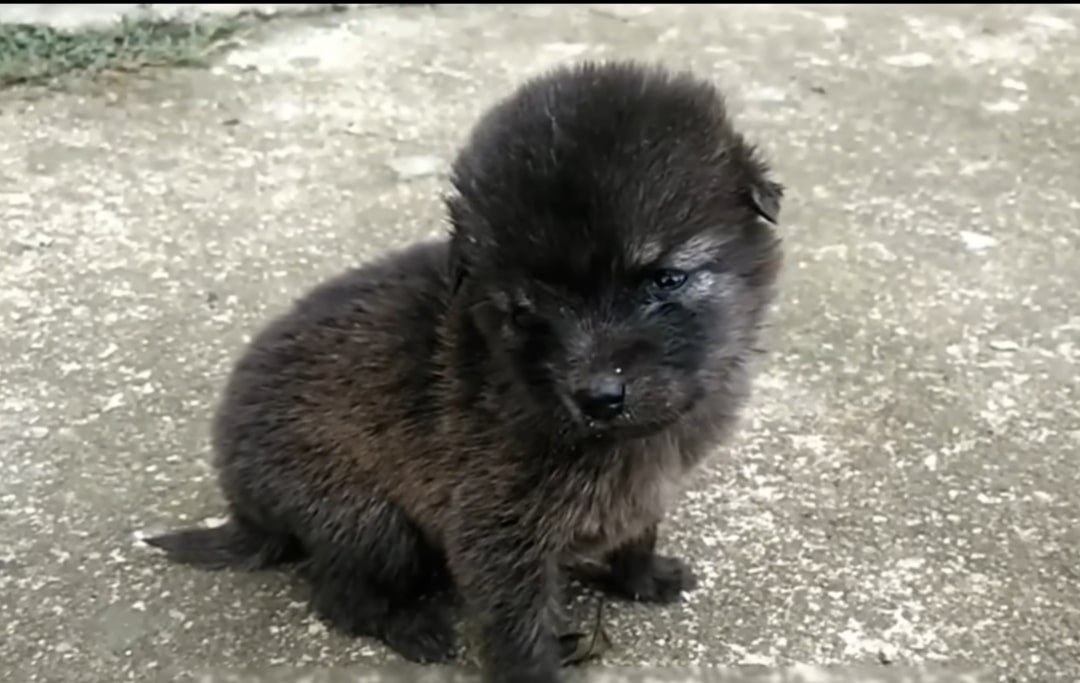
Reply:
x=331, y=389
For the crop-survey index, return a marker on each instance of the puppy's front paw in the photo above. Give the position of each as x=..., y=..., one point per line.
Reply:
x=663, y=580
x=425, y=634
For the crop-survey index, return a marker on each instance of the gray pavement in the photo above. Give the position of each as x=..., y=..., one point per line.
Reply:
x=904, y=491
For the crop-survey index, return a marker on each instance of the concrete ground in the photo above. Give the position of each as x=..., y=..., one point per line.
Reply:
x=904, y=491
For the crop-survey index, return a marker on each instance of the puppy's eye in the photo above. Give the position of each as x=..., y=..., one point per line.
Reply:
x=669, y=279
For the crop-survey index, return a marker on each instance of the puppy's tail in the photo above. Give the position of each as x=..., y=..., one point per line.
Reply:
x=234, y=545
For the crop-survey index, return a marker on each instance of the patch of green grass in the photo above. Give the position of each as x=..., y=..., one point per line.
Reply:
x=36, y=54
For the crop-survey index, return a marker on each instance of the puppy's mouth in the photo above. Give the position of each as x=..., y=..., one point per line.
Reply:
x=622, y=425
x=628, y=430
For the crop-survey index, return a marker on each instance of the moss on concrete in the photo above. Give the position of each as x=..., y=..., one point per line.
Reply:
x=37, y=54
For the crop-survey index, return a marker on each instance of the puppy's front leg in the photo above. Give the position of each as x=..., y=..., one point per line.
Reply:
x=638, y=573
x=507, y=582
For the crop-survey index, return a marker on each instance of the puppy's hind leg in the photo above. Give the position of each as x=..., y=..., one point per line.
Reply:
x=385, y=581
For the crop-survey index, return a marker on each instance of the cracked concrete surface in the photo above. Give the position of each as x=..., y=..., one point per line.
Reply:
x=903, y=492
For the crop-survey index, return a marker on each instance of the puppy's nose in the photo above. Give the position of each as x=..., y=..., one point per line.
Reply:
x=603, y=397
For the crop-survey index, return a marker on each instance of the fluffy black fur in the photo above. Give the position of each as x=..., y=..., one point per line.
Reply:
x=475, y=414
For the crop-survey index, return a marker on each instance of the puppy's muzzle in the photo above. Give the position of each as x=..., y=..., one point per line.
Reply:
x=602, y=397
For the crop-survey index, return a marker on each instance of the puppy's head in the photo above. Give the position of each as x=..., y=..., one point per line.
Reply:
x=612, y=244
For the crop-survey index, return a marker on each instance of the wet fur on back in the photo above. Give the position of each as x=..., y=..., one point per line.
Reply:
x=475, y=413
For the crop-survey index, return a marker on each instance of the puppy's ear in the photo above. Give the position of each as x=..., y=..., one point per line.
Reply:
x=765, y=197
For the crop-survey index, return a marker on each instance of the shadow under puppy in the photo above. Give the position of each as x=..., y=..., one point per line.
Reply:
x=469, y=415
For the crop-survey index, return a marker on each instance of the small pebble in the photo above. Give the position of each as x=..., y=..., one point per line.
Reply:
x=35, y=240
x=410, y=168
x=1004, y=345
x=888, y=654
x=38, y=432
x=911, y=60
x=977, y=241
x=1002, y=107
x=766, y=94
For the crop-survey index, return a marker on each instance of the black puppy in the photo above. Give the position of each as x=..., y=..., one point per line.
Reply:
x=478, y=412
